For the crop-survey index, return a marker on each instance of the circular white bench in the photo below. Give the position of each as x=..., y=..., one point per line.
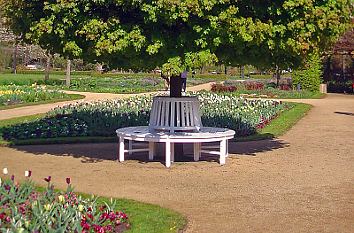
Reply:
x=205, y=134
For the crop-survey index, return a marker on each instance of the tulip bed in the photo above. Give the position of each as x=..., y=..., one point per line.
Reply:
x=13, y=94
x=260, y=90
x=24, y=209
x=104, y=117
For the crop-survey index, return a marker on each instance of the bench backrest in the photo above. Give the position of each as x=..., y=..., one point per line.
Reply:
x=175, y=114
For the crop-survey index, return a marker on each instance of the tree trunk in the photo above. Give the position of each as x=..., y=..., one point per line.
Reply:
x=47, y=69
x=343, y=67
x=176, y=91
x=202, y=70
x=68, y=72
x=14, y=62
x=277, y=75
x=175, y=86
x=242, y=72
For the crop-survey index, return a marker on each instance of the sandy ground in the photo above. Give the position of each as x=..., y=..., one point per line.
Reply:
x=300, y=182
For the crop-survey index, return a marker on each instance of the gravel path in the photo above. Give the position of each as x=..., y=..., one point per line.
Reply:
x=300, y=182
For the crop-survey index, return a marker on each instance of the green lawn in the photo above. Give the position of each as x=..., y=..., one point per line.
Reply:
x=281, y=124
x=150, y=218
x=108, y=82
x=28, y=79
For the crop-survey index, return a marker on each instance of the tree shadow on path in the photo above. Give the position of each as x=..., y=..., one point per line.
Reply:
x=98, y=152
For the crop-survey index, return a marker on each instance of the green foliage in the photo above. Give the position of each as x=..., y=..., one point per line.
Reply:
x=145, y=34
x=310, y=77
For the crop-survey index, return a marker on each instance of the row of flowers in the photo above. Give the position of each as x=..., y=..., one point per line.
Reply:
x=23, y=209
x=218, y=87
x=102, y=118
x=259, y=90
x=13, y=94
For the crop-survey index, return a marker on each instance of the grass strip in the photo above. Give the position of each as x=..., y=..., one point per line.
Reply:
x=63, y=140
x=149, y=218
x=281, y=124
x=71, y=97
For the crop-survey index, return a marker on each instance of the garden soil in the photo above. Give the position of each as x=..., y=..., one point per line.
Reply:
x=300, y=182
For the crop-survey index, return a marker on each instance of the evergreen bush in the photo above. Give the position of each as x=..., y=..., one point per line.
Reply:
x=310, y=77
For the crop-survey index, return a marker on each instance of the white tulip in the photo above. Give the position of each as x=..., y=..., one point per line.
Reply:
x=47, y=207
x=5, y=171
x=61, y=198
x=27, y=173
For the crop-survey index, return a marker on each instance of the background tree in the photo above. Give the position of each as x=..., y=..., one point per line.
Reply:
x=180, y=35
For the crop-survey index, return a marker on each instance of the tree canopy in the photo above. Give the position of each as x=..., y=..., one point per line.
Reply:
x=180, y=34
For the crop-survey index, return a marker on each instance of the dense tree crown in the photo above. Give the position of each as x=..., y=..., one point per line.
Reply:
x=180, y=34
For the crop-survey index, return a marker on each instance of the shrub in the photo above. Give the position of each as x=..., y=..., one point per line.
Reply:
x=310, y=77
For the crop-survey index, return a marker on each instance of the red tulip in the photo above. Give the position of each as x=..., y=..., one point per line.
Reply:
x=48, y=179
x=68, y=180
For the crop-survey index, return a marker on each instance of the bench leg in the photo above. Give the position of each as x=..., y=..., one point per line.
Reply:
x=130, y=147
x=227, y=148
x=197, y=147
x=151, y=150
x=172, y=152
x=223, y=145
x=121, y=149
x=168, y=154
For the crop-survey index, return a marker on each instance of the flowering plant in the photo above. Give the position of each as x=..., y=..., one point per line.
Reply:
x=13, y=94
x=102, y=118
x=23, y=209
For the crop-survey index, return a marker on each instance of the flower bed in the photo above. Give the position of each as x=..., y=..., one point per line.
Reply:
x=23, y=209
x=12, y=94
x=104, y=117
x=259, y=90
